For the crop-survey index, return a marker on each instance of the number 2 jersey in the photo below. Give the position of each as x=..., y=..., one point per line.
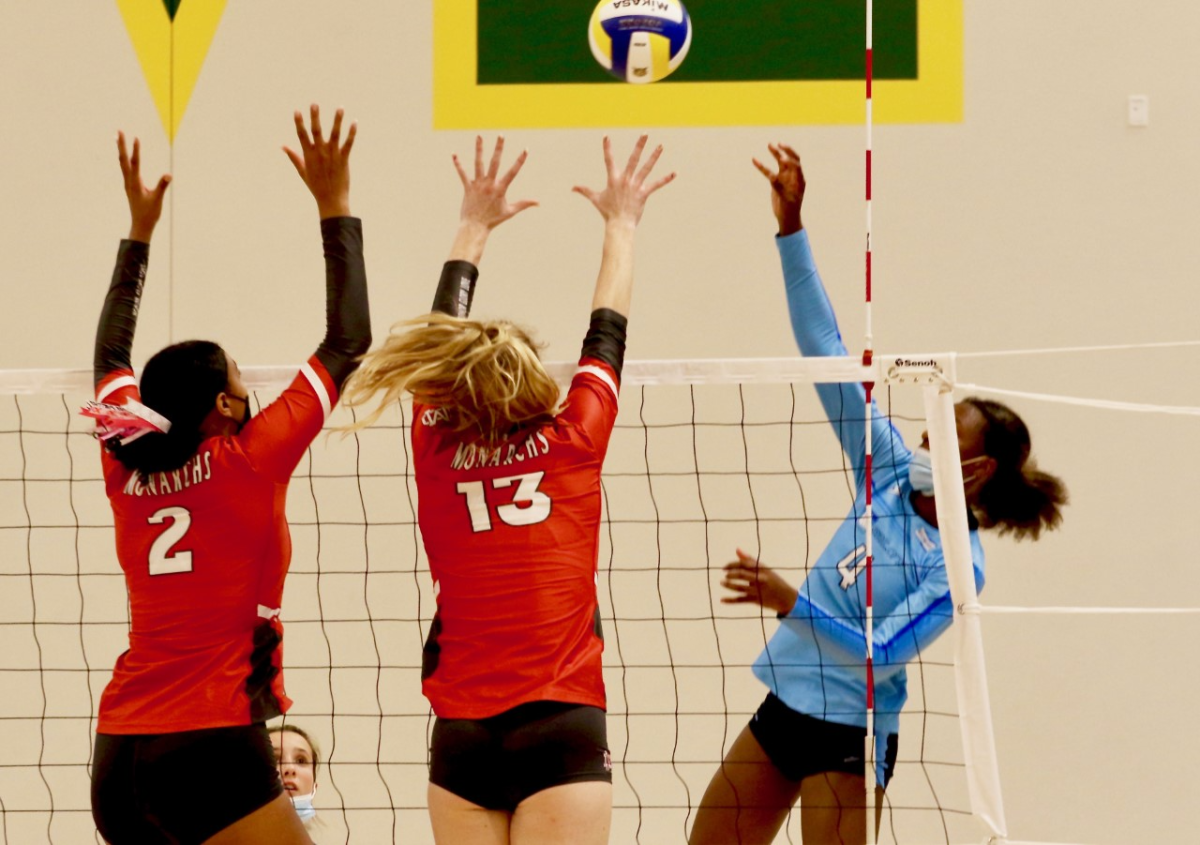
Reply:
x=511, y=531
x=205, y=548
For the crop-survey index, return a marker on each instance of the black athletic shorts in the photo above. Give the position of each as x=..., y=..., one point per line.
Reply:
x=182, y=787
x=500, y=761
x=800, y=745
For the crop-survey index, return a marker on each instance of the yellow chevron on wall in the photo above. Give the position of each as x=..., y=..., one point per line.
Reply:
x=171, y=38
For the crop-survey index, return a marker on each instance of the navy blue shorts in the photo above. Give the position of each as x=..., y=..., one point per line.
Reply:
x=500, y=761
x=180, y=788
x=801, y=745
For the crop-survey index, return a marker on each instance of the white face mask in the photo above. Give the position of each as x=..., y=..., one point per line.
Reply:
x=920, y=471
x=303, y=804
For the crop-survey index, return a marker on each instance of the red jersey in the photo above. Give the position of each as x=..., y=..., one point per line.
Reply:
x=205, y=549
x=512, y=531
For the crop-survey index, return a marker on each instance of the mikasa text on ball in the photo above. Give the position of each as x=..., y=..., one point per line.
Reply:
x=640, y=40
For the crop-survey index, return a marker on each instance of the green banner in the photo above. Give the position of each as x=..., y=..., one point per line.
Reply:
x=732, y=41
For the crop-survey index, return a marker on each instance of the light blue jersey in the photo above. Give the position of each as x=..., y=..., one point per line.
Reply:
x=816, y=662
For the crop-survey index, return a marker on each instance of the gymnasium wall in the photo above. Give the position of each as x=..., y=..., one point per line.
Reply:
x=1040, y=219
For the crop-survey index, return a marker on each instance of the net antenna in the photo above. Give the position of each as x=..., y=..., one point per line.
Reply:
x=868, y=388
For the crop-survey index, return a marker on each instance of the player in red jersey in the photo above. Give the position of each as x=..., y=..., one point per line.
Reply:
x=197, y=487
x=508, y=482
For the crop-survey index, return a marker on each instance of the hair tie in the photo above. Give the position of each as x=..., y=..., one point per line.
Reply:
x=125, y=422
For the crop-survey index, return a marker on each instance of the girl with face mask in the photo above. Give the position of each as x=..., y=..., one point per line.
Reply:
x=806, y=742
x=298, y=758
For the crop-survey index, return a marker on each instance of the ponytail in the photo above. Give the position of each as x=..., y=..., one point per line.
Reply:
x=485, y=374
x=1019, y=498
x=181, y=382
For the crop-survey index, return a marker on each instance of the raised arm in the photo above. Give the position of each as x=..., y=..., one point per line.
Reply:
x=621, y=204
x=118, y=317
x=485, y=206
x=324, y=165
x=814, y=324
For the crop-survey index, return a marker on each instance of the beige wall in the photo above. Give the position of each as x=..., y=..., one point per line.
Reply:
x=1040, y=221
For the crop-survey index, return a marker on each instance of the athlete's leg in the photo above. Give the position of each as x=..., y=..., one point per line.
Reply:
x=574, y=813
x=275, y=823
x=456, y=821
x=747, y=799
x=833, y=809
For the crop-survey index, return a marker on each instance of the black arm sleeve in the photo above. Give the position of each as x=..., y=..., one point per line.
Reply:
x=118, y=317
x=456, y=288
x=606, y=338
x=347, y=313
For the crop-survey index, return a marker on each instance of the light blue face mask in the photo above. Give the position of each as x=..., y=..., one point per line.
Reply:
x=920, y=471
x=303, y=805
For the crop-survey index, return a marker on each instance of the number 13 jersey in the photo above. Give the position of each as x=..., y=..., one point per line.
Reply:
x=511, y=530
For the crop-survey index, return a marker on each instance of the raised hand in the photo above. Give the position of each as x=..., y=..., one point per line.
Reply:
x=145, y=204
x=625, y=195
x=324, y=164
x=787, y=187
x=484, y=197
x=753, y=582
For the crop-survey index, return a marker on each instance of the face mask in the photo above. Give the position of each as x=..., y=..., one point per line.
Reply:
x=303, y=805
x=920, y=471
x=245, y=400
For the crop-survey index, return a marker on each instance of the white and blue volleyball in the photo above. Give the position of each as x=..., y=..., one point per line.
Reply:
x=640, y=41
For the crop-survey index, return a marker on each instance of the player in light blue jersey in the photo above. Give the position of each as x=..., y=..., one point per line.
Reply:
x=806, y=742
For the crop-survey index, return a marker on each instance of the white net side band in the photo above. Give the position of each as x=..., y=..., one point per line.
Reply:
x=679, y=372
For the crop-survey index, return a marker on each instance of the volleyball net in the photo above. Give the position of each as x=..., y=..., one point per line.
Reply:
x=706, y=457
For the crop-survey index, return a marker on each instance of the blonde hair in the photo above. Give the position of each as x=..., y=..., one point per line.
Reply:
x=486, y=374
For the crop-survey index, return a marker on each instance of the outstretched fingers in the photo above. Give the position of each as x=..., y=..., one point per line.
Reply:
x=301, y=131
x=350, y=136
x=494, y=164
x=634, y=156
x=649, y=165
x=335, y=134
x=315, y=119
x=508, y=177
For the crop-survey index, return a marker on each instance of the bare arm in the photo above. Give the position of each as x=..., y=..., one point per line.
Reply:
x=621, y=204
x=485, y=206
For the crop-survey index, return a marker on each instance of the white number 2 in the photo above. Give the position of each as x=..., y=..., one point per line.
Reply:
x=529, y=505
x=162, y=562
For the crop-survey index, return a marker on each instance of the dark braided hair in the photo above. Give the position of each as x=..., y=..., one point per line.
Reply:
x=1018, y=498
x=181, y=382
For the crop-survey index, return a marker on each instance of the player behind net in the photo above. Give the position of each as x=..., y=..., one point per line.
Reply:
x=806, y=741
x=197, y=488
x=508, y=482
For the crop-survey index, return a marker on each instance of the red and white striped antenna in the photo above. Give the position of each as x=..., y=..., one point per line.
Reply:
x=868, y=353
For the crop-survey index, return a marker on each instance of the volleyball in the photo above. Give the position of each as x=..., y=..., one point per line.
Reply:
x=640, y=41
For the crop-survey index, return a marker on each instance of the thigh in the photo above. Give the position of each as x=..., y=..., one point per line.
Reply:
x=116, y=806
x=457, y=821
x=578, y=813
x=276, y=823
x=833, y=809
x=197, y=784
x=747, y=800
x=465, y=761
x=548, y=744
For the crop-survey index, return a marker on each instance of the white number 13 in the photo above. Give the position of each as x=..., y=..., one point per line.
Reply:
x=529, y=505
